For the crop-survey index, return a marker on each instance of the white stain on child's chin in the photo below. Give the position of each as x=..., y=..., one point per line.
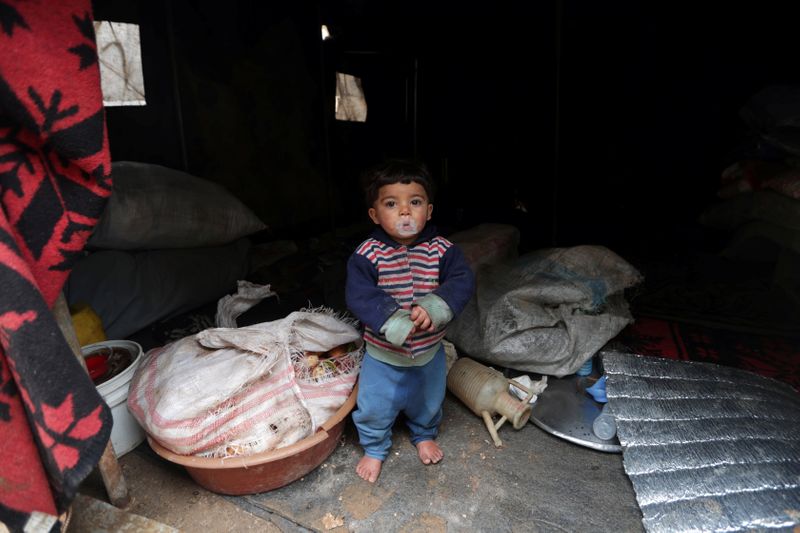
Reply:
x=406, y=228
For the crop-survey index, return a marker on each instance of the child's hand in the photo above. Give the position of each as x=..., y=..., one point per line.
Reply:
x=421, y=320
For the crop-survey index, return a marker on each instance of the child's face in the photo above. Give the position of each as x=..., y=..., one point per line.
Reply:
x=402, y=209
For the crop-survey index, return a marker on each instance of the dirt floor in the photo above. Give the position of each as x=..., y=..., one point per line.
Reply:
x=535, y=482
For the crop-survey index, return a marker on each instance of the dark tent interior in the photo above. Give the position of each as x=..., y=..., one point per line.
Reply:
x=653, y=129
x=622, y=184
x=575, y=122
x=611, y=124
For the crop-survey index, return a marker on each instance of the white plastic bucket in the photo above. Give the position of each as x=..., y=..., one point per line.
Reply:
x=126, y=433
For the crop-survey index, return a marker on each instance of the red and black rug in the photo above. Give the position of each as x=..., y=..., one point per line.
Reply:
x=772, y=356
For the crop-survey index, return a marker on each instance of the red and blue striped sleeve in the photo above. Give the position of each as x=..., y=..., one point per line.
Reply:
x=369, y=303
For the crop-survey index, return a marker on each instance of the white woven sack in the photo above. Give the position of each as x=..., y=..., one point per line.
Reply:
x=227, y=401
x=233, y=391
x=320, y=331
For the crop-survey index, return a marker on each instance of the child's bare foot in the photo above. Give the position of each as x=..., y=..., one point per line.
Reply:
x=429, y=452
x=369, y=468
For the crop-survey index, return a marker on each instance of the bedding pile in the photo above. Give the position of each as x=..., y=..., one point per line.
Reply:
x=167, y=243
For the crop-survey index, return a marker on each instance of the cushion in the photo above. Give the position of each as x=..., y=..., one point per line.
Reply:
x=131, y=290
x=157, y=207
x=487, y=243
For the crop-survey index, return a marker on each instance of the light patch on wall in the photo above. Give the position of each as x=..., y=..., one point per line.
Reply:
x=120, y=55
x=350, y=102
x=325, y=33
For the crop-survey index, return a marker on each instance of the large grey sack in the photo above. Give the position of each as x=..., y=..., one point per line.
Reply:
x=548, y=311
x=154, y=207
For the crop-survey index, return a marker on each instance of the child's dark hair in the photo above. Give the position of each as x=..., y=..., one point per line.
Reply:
x=395, y=171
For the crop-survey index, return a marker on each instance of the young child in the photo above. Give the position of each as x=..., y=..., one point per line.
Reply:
x=404, y=283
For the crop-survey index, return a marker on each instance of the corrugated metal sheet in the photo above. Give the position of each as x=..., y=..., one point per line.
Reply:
x=706, y=447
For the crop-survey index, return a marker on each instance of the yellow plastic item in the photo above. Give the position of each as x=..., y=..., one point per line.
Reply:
x=88, y=326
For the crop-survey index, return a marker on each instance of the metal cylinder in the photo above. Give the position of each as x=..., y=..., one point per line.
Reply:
x=483, y=389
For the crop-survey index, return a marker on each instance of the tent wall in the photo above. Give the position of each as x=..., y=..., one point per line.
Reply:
x=609, y=123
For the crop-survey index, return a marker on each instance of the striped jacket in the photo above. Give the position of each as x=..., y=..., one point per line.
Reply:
x=384, y=276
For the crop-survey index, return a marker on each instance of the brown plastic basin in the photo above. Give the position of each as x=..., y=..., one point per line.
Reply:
x=267, y=470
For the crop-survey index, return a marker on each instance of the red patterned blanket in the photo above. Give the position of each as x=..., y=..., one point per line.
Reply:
x=54, y=181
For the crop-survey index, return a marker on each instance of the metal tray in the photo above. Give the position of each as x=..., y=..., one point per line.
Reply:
x=565, y=410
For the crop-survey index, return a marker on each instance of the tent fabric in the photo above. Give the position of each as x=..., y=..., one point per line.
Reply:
x=54, y=182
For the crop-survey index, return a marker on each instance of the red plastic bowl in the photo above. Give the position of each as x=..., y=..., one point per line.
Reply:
x=267, y=470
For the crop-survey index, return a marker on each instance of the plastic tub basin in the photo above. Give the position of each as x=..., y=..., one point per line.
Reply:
x=266, y=470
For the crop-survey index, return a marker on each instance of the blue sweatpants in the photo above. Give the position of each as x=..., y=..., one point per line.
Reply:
x=386, y=390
